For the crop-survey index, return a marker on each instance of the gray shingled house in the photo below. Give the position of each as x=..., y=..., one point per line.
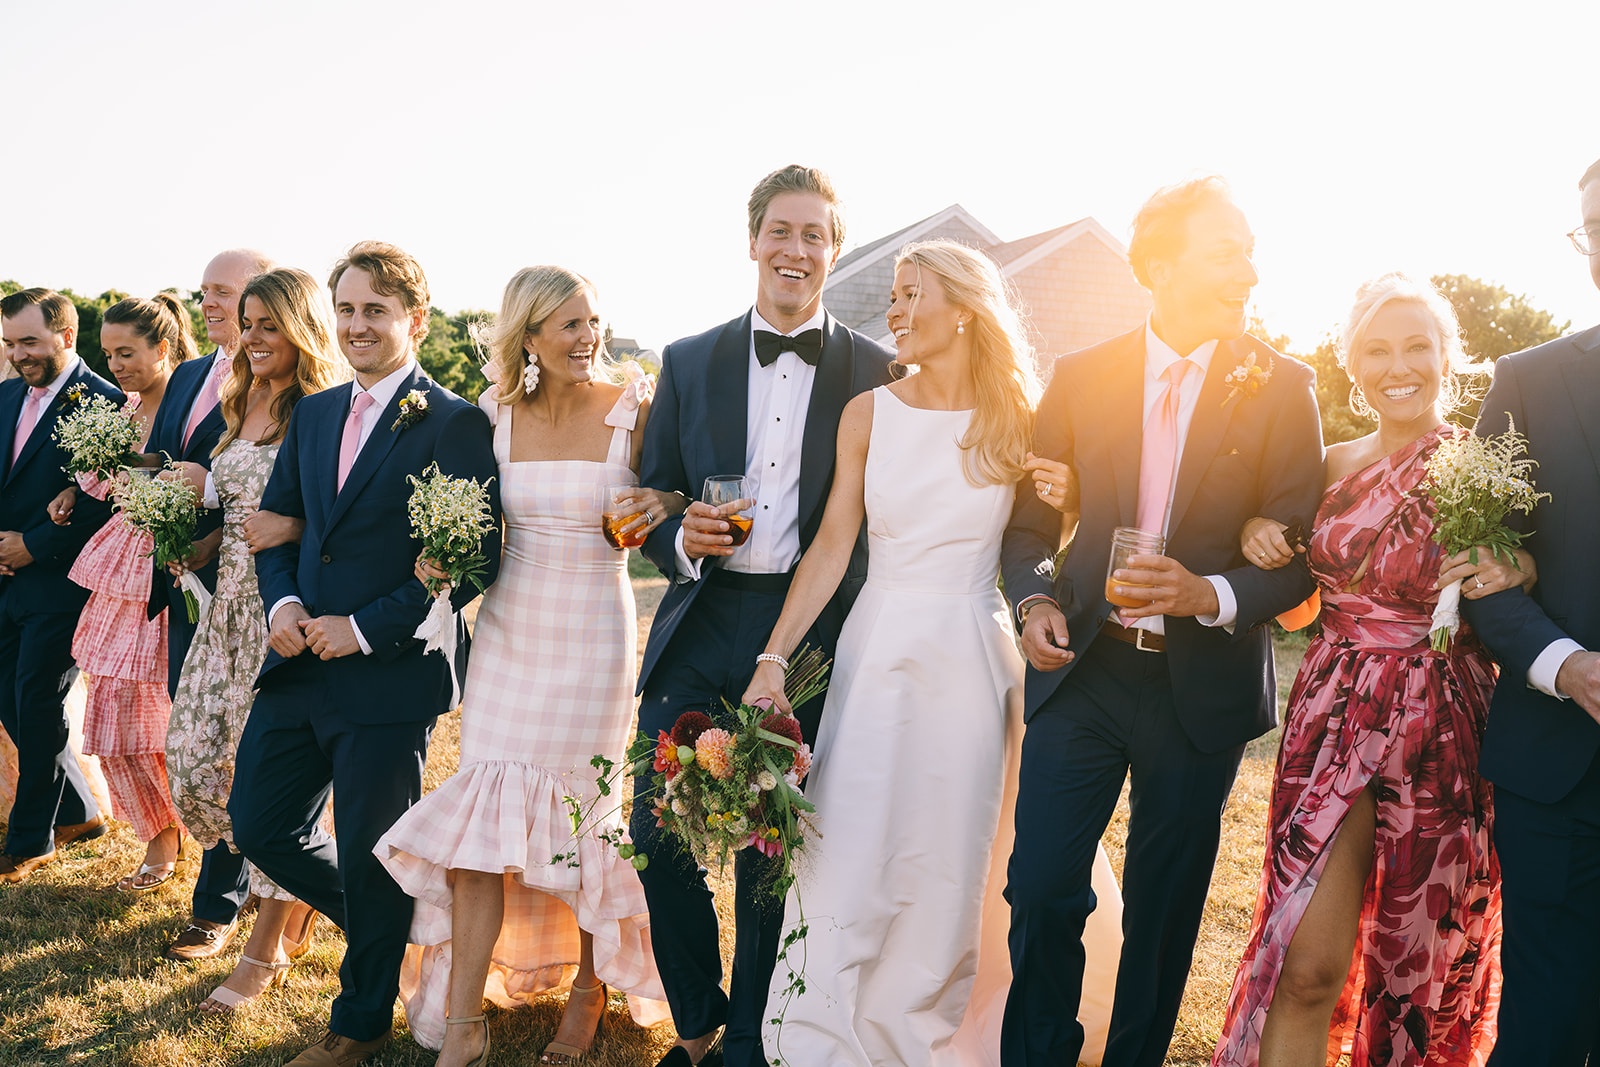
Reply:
x=1074, y=280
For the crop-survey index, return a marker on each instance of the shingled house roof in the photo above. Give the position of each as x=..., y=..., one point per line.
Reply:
x=1074, y=280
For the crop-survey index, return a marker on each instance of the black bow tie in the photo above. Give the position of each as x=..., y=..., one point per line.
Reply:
x=807, y=344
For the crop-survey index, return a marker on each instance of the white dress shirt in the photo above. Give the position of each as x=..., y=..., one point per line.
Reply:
x=382, y=393
x=778, y=400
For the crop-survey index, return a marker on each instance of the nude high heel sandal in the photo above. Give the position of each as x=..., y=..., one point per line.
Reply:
x=483, y=1057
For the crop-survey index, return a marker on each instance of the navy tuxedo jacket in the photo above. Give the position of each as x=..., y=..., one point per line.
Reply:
x=29, y=486
x=357, y=553
x=166, y=437
x=1537, y=746
x=1244, y=456
x=698, y=429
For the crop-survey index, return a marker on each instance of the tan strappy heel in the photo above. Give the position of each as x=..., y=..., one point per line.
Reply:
x=483, y=1057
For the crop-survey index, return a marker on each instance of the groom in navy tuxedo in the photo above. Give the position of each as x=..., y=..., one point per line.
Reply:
x=1166, y=429
x=39, y=605
x=760, y=396
x=346, y=698
x=1542, y=746
x=187, y=426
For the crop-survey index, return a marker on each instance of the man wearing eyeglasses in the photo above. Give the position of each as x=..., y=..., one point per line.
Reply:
x=1542, y=746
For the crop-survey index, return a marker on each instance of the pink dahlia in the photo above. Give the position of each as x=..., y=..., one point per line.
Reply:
x=713, y=750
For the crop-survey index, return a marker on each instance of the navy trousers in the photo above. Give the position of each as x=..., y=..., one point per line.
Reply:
x=1550, y=948
x=296, y=746
x=712, y=656
x=36, y=670
x=1111, y=716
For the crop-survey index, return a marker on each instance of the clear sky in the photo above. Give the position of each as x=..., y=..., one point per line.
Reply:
x=621, y=138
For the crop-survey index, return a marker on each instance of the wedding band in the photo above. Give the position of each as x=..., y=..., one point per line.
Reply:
x=1049, y=489
x=648, y=519
x=1480, y=581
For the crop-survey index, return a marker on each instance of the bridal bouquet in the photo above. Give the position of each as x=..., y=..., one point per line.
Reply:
x=1474, y=483
x=98, y=437
x=165, y=509
x=449, y=516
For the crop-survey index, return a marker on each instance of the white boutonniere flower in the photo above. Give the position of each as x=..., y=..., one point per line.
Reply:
x=413, y=409
x=1247, y=378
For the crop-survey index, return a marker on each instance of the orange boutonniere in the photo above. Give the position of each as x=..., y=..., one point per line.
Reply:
x=1247, y=378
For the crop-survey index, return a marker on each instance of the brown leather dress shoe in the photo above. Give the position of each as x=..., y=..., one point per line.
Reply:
x=201, y=940
x=17, y=868
x=82, y=831
x=336, y=1050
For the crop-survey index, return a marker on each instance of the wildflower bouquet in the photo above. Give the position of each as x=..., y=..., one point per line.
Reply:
x=98, y=437
x=449, y=516
x=165, y=509
x=1474, y=483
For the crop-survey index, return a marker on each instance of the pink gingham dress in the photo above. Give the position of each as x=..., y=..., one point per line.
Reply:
x=549, y=684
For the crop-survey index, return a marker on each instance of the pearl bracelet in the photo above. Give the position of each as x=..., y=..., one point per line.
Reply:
x=773, y=657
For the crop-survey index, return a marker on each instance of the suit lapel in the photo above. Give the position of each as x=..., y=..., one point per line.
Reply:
x=326, y=435
x=181, y=393
x=47, y=418
x=830, y=392
x=1124, y=406
x=10, y=411
x=1581, y=372
x=728, y=398
x=376, y=450
x=1211, y=414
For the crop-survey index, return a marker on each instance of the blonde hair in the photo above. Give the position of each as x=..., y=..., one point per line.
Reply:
x=1002, y=359
x=302, y=314
x=796, y=179
x=532, y=295
x=1397, y=287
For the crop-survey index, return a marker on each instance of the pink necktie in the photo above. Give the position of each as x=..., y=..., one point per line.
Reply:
x=1159, y=452
x=350, y=443
x=207, y=399
x=30, y=417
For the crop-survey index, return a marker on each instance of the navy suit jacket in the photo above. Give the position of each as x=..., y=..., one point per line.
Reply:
x=1244, y=456
x=357, y=553
x=166, y=437
x=1537, y=746
x=697, y=429
x=28, y=487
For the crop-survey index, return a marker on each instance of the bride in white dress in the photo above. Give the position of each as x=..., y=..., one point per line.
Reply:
x=915, y=771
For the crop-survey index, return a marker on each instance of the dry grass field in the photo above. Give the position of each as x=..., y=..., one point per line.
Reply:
x=82, y=981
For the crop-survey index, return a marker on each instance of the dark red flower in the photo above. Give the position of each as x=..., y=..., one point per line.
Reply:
x=689, y=727
x=783, y=725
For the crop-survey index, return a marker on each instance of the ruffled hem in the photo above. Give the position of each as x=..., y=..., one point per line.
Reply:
x=115, y=562
x=116, y=639
x=509, y=817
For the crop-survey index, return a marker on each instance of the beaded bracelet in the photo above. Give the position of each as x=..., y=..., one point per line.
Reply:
x=773, y=657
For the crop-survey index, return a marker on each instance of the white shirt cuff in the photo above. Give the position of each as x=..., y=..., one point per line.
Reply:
x=1542, y=675
x=210, y=500
x=690, y=567
x=366, y=649
x=279, y=604
x=1227, y=606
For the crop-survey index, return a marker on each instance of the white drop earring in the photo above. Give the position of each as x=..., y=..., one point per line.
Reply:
x=961, y=327
x=530, y=375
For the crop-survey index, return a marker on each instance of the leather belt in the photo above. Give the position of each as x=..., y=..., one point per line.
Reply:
x=1143, y=640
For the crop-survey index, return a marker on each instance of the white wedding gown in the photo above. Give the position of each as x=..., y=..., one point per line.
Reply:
x=905, y=963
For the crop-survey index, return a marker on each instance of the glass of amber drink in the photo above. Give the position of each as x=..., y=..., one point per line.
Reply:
x=1130, y=541
x=724, y=489
x=619, y=510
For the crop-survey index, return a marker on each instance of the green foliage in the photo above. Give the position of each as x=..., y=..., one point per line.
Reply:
x=449, y=355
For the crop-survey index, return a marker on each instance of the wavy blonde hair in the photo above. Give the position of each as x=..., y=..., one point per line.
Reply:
x=532, y=295
x=996, y=441
x=1397, y=287
x=301, y=313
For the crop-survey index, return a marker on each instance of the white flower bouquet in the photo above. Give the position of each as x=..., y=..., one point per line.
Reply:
x=98, y=437
x=1474, y=483
x=166, y=510
x=449, y=516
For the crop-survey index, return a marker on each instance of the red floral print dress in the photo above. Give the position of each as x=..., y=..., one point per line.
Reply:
x=1372, y=703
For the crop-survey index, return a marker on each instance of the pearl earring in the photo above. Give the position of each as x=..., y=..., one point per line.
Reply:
x=530, y=375
x=961, y=327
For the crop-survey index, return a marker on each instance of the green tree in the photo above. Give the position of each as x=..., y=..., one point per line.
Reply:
x=450, y=356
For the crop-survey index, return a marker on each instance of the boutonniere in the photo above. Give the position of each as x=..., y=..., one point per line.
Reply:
x=413, y=407
x=1247, y=378
x=72, y=398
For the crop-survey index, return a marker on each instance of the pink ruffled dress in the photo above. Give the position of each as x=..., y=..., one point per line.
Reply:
x=549, y=684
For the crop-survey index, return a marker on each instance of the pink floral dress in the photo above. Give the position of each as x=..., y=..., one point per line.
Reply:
x=1373, y=703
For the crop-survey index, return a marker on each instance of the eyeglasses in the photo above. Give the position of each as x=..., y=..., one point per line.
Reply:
x=1586, y=239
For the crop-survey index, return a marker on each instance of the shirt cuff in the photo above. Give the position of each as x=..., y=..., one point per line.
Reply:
x=366, y=649
x=1022, y=608
x=1227, y=605
x=210, y=500
x=686, y=566
x=279, y=604
x=1542, y=675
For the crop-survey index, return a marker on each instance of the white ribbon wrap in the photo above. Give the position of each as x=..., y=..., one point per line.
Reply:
x=1447, y=616
x=191, y=584
x=438, y=634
